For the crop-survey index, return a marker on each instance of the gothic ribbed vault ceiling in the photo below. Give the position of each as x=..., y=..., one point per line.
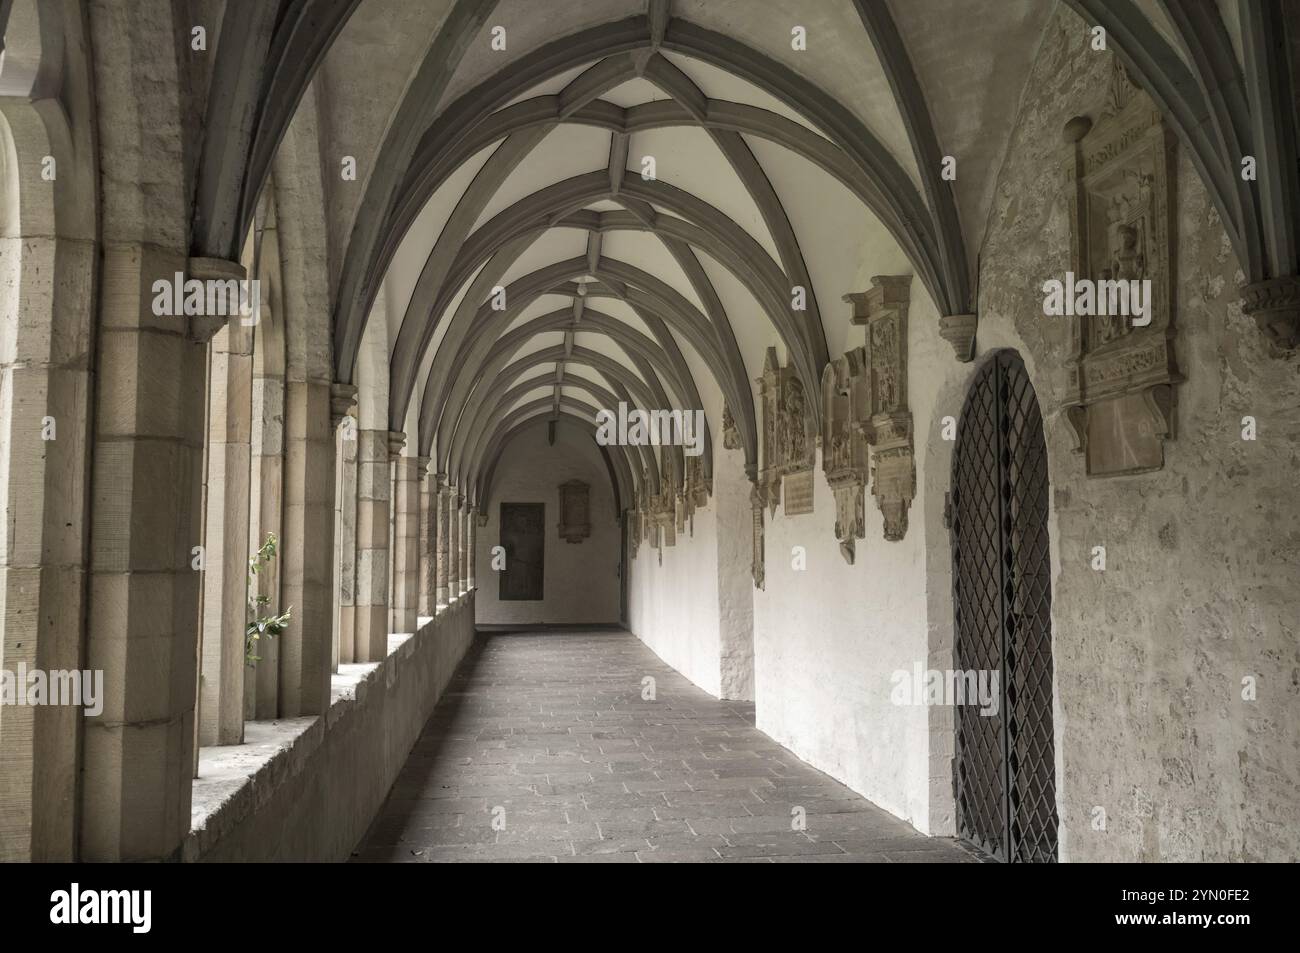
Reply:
x=774, y=168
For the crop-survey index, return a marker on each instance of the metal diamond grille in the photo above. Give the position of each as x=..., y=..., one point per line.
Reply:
x=1005, y=764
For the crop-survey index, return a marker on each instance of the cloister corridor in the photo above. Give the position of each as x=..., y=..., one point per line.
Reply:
x=544, y=749
x=703, y=431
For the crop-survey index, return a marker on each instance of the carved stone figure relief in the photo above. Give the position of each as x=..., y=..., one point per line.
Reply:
x=788, y=445
x=730, y=432
x=698, y=484
x=887, y=427
x=1120, y=184
x=846, y=404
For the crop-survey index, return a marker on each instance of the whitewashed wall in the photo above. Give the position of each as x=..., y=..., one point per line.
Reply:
x=673, y=607
x=695, y=610
x=828, y=637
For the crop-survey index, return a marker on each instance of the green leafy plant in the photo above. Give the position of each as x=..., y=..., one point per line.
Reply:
x=261, y=626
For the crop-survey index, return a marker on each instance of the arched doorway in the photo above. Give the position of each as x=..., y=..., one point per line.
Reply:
x=1005, y=767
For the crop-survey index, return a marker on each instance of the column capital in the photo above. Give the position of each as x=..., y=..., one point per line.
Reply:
x=201, y=328
x=422, y=467
x=342, y=399
x=1275, y=305
x=396, y=441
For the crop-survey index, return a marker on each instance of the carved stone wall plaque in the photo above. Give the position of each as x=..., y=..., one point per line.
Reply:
x=846, y=410
x=883, y=312
x=661, y=517
x=730, y=432
x=756, y=567
x=798, y=493
x=668, y=526
x=698, y=484
x=575, y=520
x=1120, y=173
x=788, y=442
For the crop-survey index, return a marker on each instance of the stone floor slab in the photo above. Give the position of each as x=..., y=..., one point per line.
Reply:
x=543, y=750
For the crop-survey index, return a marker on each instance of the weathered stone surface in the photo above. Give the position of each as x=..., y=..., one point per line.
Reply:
x=1167, y=755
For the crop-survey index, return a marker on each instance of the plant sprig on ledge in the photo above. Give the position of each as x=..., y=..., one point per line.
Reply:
x=262, y=626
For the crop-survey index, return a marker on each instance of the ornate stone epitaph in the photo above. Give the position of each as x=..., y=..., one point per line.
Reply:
x=788, y=445
x=846, y=411
x=730, y=432
x=1120, y=397
x=882, y=311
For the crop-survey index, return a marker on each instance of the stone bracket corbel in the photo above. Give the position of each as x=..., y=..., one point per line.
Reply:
x=1275, y=306
x=959, y=331
x=342, y=399
x=202, y=328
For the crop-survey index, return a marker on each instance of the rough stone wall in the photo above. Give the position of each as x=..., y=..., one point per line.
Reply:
x=1200, y=586
x=580, y=580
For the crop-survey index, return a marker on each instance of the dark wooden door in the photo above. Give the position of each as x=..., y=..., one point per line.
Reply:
x=523, y=528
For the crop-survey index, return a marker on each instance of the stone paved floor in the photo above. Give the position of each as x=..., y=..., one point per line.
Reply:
x=546, y=734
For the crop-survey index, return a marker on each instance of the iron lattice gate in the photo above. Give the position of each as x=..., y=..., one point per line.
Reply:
x=1005, y=781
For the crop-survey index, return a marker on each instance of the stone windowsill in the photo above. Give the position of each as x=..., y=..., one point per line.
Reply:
x=232, y=776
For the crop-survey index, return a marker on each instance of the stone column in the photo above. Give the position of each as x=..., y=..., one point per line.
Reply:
x=225, y=543
x=442, y=545
x=406, y=541
x=45, y=426
x=392, y=536
x=463, y=576
x=262, y=683
x=137, y=755
x=470, y=550
x=306, y=647
x=347, y=530
x=372, y=546
x=453, y=545
x=427, y=536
